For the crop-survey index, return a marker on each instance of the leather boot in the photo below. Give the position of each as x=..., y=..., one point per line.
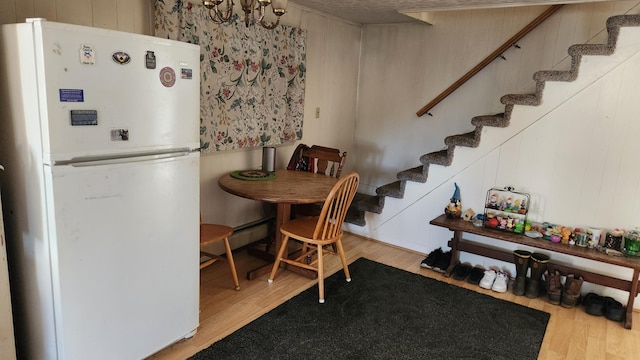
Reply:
x=571, y=292
x=554, y=287
x=538, y=266
x=521, y=258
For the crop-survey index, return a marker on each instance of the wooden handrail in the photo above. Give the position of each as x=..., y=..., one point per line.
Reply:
x=509, y=43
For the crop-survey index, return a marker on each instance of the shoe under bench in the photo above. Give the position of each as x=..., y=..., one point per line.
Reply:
x=458, y=244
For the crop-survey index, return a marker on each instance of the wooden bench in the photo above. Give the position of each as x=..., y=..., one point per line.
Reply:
x=458, y=244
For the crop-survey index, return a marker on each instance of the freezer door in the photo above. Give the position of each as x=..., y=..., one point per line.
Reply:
x=125, y=251
x=100, y=93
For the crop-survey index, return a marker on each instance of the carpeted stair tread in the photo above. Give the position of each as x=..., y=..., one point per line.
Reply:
x=623, y=20
x=442, y=157
x=497, y=120
x=355, y=216
x=552, y=75
x=472, y=139
x=361, y=204
x=394, y=189
x=416, y=174
x=591, y=49
x=370, y=203
x=520, y=99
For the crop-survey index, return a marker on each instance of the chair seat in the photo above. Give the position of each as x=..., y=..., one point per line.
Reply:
x=303, y=228
x=210, y=233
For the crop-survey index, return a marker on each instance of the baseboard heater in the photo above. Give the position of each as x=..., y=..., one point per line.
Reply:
x=251, y=233
x=252, y=224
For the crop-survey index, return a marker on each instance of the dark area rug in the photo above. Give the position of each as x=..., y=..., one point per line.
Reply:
x=387, y=313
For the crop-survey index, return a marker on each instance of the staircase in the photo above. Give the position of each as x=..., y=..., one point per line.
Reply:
x=375, y=203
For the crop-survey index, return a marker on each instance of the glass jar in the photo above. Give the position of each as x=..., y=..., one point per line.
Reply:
x=632, y=243
x=613, y=240
x=581, y=239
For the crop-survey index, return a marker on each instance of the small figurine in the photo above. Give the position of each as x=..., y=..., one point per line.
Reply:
x=566, y=233
x=468, y=214
x=509, y=223
x=523, y=207
x=454, y=209
x=493, y=201
x=503, y=223
x=519, y=227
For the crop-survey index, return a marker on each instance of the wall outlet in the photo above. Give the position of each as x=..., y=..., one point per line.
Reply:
x=317, y=113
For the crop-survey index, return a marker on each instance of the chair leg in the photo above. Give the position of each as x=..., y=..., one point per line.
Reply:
x=232, y=264
x=321, y=274
x=303, y=250
x=343, y=258
x=276, y=264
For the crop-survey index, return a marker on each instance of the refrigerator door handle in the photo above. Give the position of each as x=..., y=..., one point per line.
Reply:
x=124, y=159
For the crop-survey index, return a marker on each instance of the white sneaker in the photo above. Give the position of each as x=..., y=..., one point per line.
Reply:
x=488, y=279
x=500, y=283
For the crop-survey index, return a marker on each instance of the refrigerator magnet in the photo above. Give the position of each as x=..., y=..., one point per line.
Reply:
x=87, y=55
x=121, y=57
x=150, y=60
x=167, y=76
x=71, y=95
x=186, y=73
x=119, y=134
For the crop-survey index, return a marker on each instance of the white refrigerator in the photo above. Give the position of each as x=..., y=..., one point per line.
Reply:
x=99, y=137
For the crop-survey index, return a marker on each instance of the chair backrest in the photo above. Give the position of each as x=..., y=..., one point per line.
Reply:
x=324, y=160
x=335, y=207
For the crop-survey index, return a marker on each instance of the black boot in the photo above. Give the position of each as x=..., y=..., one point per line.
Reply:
x=538, y=266
x=522, y=258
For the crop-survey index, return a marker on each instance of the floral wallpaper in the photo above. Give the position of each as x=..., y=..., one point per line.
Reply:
x=252, y=80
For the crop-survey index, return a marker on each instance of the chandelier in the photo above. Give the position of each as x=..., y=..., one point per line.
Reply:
x=220, y=15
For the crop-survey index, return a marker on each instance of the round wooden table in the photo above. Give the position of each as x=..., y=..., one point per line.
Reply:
x=288, y=187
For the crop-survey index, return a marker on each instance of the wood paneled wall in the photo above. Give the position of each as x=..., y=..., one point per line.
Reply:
x=125, y=15
x=403, y=67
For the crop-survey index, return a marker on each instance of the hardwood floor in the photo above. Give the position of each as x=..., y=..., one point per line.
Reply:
x=571, y=333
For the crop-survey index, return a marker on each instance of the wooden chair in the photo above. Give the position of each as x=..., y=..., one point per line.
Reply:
x=316, y=232
x=321, y=160
x=210, y=233
x=324, y=160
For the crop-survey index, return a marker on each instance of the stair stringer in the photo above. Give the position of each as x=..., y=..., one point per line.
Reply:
x=521, y=110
